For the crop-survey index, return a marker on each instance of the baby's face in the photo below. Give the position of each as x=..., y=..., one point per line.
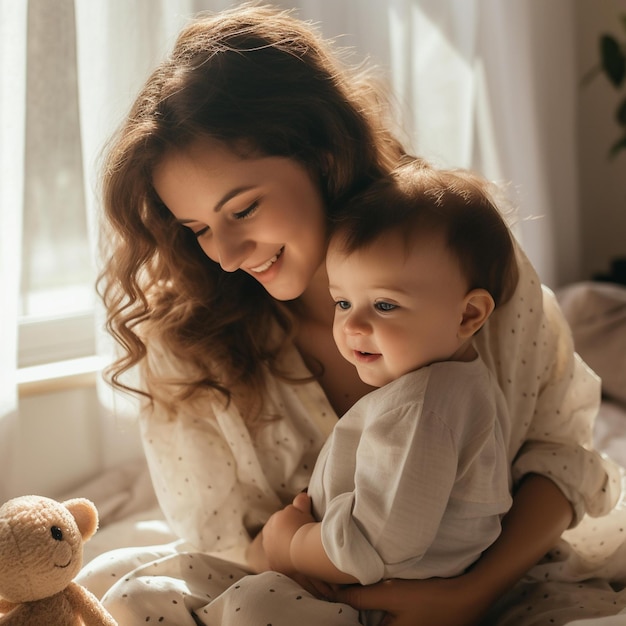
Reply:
x=396, y=310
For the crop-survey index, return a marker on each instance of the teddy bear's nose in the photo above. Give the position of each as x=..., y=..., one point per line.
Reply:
x=57, y=533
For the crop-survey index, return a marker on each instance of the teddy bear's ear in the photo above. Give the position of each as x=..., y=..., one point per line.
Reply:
x=86, y=515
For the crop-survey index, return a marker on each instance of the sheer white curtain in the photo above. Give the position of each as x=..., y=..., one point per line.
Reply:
x=492, y=85
x=528, y=57
x=12, y=92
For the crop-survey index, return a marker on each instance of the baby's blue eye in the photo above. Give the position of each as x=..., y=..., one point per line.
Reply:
x=385, y=306
x=344, y=305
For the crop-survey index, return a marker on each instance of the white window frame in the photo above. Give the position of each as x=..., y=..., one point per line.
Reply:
x=51, y=340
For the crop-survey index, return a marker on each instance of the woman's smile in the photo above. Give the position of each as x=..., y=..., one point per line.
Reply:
x=260, y=269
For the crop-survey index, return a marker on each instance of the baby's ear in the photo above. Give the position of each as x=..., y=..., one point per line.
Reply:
x=478, y=306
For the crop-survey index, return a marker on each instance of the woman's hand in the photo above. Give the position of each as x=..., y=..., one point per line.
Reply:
x=431, y=602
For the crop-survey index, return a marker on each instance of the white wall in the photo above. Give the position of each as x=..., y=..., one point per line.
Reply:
x=602, y=183
x=65, y=440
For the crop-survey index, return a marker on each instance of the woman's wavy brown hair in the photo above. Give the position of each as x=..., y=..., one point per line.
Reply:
x=262, y=81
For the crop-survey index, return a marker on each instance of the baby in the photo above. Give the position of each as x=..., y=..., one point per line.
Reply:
x=414, y=479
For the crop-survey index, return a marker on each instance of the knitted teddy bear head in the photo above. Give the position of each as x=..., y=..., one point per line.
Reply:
x=41, y=545
x=41, y=550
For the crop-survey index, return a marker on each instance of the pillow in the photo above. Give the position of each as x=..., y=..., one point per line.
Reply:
x=596, y=313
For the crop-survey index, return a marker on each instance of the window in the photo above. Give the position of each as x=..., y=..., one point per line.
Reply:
x=57, y=289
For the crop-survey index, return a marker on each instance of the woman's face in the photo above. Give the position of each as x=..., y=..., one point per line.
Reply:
x=264, y=216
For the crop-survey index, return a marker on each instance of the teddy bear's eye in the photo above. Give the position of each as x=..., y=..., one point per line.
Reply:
x=57, y=533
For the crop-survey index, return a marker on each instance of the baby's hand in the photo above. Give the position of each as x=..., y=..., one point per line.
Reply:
x=280, y=529
x=302, y=502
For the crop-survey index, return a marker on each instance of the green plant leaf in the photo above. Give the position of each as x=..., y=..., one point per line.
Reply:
x=617, y=147
x=613, y=59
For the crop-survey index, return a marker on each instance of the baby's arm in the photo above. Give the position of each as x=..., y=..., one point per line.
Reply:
x=293, y=543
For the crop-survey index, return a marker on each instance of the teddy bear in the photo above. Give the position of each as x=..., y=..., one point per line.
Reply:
x=41, y=551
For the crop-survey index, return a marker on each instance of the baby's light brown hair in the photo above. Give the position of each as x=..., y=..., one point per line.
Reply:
x=417, y=199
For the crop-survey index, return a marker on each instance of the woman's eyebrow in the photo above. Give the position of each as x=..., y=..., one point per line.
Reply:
x=227, y=197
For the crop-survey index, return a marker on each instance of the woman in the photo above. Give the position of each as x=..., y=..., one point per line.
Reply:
x=217, y=192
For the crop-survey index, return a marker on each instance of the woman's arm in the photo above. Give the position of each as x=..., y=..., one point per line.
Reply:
x=540, y=513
